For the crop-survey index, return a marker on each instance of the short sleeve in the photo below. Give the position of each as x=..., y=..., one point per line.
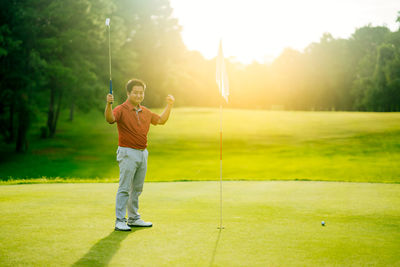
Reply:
x=154, y=118
x=117, y=113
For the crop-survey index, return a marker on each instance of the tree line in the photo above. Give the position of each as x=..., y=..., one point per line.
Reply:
x=361, y=73
x=54, y=58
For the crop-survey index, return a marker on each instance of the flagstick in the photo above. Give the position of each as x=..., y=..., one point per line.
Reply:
x=220, y=166
x=224, y=90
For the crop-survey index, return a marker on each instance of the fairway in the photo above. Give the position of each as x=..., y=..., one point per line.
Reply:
x=266, y=224
x=257, y=145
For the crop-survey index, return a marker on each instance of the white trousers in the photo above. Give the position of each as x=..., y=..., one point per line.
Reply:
x=132, y=171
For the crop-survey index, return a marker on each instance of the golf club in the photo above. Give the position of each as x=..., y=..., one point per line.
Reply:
x=109, y=49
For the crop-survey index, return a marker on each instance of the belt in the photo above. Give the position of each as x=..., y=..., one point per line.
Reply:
x=141, y=149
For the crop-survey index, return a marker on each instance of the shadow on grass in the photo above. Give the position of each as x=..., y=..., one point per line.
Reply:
x=215, y=248
x=102, y=252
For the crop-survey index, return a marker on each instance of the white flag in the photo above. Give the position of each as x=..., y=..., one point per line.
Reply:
x=222, y=76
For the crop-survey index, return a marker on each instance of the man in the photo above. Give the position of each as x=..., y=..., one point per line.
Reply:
x=133, y=121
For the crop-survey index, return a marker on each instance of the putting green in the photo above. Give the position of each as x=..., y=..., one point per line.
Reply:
x=266, y=224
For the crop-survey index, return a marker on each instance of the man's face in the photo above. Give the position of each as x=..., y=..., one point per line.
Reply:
x=136, y=96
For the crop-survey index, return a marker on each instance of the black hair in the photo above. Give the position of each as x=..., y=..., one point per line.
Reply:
x=134, y=82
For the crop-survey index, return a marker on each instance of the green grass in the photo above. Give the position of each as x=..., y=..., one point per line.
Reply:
x=266, y=224
x=258, y=145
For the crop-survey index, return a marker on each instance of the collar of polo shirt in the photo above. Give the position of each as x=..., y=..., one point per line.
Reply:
x=132, y=107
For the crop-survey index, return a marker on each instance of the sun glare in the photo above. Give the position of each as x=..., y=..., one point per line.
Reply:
x=260, y=30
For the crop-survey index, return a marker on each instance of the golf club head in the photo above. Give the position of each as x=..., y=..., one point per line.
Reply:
x=108, y=22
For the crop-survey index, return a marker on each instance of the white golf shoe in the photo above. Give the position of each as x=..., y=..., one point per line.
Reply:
x=121, y=226
x=140, y=223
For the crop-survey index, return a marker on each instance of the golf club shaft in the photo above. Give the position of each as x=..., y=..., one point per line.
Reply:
x=109, y=55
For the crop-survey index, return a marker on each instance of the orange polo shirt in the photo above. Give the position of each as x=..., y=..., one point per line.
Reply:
x=133, y=125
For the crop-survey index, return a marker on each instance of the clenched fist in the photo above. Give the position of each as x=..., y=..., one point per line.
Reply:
x=170, y=100
x=110, y=98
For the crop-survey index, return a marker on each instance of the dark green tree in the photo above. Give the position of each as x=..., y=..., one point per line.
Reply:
x=154, y=36
x=18, y=81
x=363, y=47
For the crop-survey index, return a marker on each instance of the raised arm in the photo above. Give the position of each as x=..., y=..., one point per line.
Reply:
x=165, y=115
x=108, y=112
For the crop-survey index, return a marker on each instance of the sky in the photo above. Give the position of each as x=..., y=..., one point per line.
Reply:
x=259, y=30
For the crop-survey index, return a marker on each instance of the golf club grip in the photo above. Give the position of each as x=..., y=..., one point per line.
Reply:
x=111, y=87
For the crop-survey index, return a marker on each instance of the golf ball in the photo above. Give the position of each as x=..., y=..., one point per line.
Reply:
x=323, y=223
